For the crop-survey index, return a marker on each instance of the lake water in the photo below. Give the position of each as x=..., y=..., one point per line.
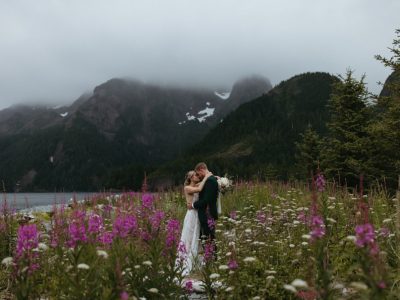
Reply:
x=40, y=201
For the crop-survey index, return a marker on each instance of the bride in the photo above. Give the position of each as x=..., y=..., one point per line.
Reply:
x=191, y=225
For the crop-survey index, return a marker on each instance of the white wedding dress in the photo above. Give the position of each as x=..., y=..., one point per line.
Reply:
x=190, y=238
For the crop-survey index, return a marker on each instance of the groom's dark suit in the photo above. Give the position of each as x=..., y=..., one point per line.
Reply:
x=207, y=206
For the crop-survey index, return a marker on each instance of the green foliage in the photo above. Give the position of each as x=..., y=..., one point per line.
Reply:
x=345, y=151
x=386, y=129
x=308, y=155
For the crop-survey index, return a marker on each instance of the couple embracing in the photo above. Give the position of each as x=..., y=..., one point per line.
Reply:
x=201, y=193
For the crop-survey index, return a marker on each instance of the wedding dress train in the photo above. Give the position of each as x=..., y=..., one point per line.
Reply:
x=190, y=238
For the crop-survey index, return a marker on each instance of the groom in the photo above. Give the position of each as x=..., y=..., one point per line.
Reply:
x=207, y=204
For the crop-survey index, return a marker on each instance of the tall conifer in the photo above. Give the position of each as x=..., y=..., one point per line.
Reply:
x=345, y=153
x=386, y=131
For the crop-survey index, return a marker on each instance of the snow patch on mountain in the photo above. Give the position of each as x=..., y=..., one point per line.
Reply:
x=224, y=95
x=207, y=112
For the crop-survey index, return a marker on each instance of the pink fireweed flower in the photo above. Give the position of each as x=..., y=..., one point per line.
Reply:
x=209, y=249
x=320, y=182
x=124, y=225
x=365, y=235
x=107, y=208
x=173, y=231
x=77, y=234
x=28, y=239
x=189, y=286
x=146, y=236
x=261, y=217
x=233, y=215
x=147, y=201
x=106, y=238
x=317, y=227
x=232, y=264
x=156, y=219
x=95, y=223
x=211, y=223
x=124, y=295
x=78, y=215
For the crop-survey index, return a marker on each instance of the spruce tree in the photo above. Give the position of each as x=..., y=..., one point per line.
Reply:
x=308, y=152
x=345, y=151
x=386, y=130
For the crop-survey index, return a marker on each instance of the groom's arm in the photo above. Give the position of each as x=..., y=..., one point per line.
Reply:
x=201, y=203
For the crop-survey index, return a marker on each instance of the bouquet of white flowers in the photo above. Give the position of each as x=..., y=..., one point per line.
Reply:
x=224, y=184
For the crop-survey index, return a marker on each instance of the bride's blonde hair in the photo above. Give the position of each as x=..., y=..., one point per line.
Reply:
x=188, y=178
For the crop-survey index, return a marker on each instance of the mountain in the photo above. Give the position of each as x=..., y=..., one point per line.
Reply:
x=258, y=138
x=107, y=139
x=393, y=77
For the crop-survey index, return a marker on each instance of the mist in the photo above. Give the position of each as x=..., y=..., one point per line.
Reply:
x=53, y=51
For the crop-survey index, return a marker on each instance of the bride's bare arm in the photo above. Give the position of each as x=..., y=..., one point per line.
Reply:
x=196, y=189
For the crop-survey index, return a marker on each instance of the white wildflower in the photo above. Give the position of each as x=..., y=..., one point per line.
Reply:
x=306, y=236
x=299, y=283
x=331, y=198
x=291, y=245
x=270, y=277
x=249, y=259
x=295, y=222
x=229, y=289
x=7, y=261
x=337, y=286
x=351, y=238
x=223, y=267
x=147, y=263
x=102, y=253
x=331, y=220
x=228, y=254
x=43, y=246
x=271, y=272
x=359, y=285
x=153, y=290
x=137, y=267
x=83, y=267
x=214, y=276
x=256, y=298
x=304, y=243
x=248, y=230
x=386, y=221
x=290, y=288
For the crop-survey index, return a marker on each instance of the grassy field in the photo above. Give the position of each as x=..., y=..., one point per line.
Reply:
x=275, y=241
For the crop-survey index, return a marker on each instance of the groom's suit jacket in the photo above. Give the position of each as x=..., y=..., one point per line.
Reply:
x=207, y=200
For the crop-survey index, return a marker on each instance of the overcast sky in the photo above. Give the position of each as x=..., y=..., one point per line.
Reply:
x=55, y=50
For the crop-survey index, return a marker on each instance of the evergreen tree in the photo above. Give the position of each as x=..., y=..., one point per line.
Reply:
x=386, y=131
x=345, y=153
x=308, y=152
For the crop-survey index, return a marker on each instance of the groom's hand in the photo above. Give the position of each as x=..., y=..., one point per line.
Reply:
x=189, y=205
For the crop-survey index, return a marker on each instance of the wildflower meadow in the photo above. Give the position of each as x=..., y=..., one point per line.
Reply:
x=273, y=241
